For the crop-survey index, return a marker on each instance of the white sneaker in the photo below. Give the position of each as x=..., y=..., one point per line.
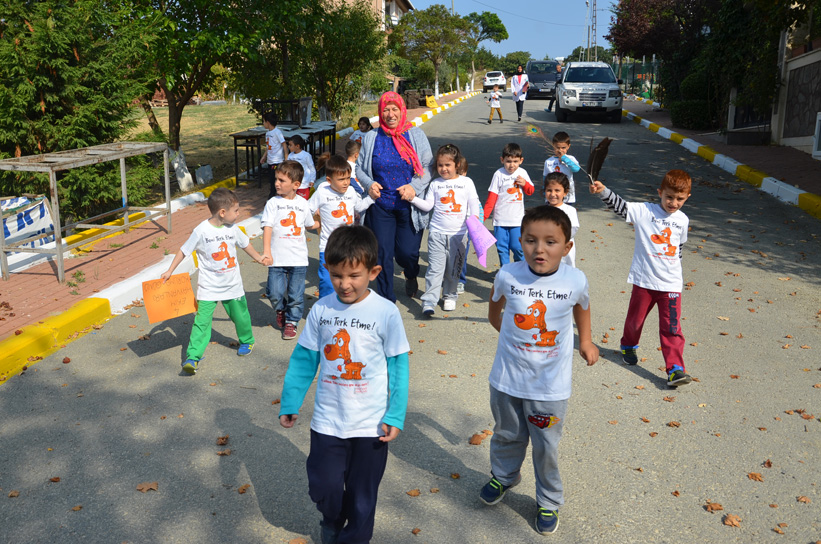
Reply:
x=449, y=305
x=460, y=288
x=427, y=310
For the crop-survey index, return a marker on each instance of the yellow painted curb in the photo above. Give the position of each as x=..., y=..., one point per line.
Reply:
x=227, y=183
x=750, y=175
x=637, y=119
x=810, y=203
x=41, y=340
x=676, y=137
x=624, y=113
x=654, y=127
x=706, y=152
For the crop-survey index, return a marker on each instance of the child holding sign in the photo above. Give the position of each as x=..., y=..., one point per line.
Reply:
x=215, y=241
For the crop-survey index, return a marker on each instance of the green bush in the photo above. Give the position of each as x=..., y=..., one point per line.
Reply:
x=694, y=86
x=691, y=114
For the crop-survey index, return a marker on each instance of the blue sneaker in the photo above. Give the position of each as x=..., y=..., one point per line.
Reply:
x=629, y=355
x=678, y=377
x=245, y=349
x=190, y=366
x=547, y=521
x=494, y=491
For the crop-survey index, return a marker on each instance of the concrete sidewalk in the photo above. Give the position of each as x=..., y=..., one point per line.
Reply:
x=784, y=172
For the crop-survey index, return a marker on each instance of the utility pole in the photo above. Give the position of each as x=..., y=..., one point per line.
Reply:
x=587, y=27
x=593, y=31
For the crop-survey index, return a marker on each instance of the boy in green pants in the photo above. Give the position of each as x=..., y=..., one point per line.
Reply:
x=215, y=242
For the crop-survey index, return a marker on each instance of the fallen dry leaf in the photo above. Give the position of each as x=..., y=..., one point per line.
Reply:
x=434, y=490
x=181, y=416
x=786, y=346
x=802, y=498
x=452, y=376
x=66, y=360
x=243, y=488
x=731, y=520
x=613, y=422
x=713, y=507
x=639, y=387
x=653, y=435
x=762, y=428
x=416, y=531
x=123, y=349
x=14, y=493
x=777, y=530
x=147, y=486
x=78, y=508
x=222, y=440
x=441, y=352
x=675, y=493
x=644, y=419
x=639, y=469
x=734, y=376
x=807, y=416
x=414, y=493
x=805, y=346
x=224, y=453
x=782, y=525
x=722, y=318
x=55, y=479
x=455, y=475
x=297, y=541
x=674, y=424
x=755, y=476
x=476, y=439
x=669, y=399
x=422, y=325
x=817, y=386
x=773, y=505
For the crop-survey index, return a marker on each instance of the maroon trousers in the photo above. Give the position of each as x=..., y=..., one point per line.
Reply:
x=672, y=340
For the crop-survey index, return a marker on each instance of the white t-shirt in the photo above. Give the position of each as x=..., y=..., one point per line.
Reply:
x=535, y=351
x=657, y=254
x=452, y=200
x=354, y=342
x=518, y=82
x=274, y=139
x=570, y=258
x=358, y=135
x=554, y=164
x=494, y=100
x=288, y=219
x=510, y=205
x=216, y=249
x=335, y=209
x=308, y=170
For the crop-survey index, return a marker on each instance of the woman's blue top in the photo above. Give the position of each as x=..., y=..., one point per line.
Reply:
x=391, y=171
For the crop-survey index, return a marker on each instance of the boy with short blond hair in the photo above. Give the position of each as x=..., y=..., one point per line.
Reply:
x=356, y=339
x=563, y=163
x=215, y=240
x=656, y=275
x=495, y=105
x=285, y=249
x=533, y=304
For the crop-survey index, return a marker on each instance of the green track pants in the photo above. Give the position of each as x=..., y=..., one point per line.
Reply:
x=237, y=310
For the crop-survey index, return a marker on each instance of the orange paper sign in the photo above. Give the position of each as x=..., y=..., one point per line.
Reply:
x=170, y=299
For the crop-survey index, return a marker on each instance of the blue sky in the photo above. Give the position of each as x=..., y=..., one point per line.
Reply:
x=543, y=27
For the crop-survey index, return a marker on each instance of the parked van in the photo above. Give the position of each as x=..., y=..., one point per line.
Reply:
x=588, y=87
x=542, y=76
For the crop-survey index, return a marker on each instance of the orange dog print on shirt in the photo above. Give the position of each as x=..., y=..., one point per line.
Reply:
x=534, y=319
x=230, y=262
x=664, y=238
x=340, y=349
x=290, y=221
x=342, y=211
x=515, y=191
x=450, y=198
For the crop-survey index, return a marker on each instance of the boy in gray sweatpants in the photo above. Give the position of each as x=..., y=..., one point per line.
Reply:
x=533, y=304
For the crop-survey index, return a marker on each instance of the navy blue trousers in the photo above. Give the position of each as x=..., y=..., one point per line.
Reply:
x=397, y=240
x=343, y=480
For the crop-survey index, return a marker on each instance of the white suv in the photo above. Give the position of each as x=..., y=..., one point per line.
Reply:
x=494, y=78
x=588, y=87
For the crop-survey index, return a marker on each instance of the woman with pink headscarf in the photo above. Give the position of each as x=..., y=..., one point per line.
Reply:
x=393, y=167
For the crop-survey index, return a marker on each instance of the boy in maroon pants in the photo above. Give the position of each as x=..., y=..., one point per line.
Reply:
x=661, y=229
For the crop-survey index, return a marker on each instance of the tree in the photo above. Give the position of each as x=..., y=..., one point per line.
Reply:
x=511, y=61
x=580, y=54
x=70, y=73
x=432, y=34
x=486, y=26
x=341, y=43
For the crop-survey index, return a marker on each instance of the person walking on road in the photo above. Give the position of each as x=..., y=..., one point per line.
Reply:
x=519, y=84
x=393, y=167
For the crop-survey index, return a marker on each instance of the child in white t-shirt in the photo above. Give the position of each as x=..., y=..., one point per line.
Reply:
x=505, y=203
x=365, y=126
x=533, y=304
x=335, y=202
x=296, y=146
x=356, y=339
x=562, y=162
x=556, y=187
x=661, y=230
x=215, y=240
x=452, y=197
x=275, y=148
x=495, y=104
x=285, y=250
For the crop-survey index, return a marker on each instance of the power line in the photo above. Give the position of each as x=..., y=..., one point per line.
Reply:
x=522, y=16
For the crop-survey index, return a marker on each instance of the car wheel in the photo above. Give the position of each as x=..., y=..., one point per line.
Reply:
x=561, y=115
x=615, y=116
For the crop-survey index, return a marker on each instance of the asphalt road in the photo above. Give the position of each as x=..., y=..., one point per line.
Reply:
x=120, y=414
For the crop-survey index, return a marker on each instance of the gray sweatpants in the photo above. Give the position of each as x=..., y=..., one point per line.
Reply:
x=446, y=254
x=518, y=420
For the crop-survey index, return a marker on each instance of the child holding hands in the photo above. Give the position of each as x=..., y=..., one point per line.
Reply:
x=661, y=230
x=533, y=305
x=357, y=341
x=506, y=203
x=452, y=197
x=215, y=240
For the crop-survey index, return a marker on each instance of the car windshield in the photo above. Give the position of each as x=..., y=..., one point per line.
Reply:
x=493, y=74
x=542, y=67
x=589, y=74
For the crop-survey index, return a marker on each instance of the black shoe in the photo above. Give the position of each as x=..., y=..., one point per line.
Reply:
x=501, y=121
x=488, y=121
x=520, y=118
x=411, y=286
x=629, y=356
x=678, y=377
